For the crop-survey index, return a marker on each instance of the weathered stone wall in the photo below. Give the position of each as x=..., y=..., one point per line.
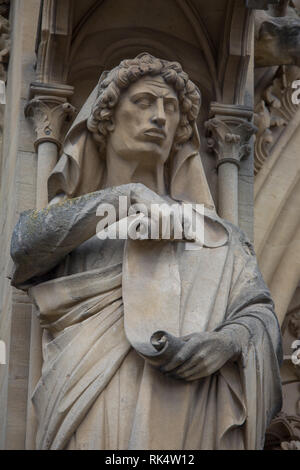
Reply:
x=18, y=174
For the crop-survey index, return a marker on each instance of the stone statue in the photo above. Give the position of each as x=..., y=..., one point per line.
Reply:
x=209, y=377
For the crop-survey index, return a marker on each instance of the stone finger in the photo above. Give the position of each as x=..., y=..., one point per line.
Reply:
x=190, y=365
x=183, y=355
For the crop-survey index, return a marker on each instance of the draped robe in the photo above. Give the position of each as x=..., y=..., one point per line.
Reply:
x=97, y=392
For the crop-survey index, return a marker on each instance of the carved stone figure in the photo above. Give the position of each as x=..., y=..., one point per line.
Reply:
x=210, y=378
x=277, y=39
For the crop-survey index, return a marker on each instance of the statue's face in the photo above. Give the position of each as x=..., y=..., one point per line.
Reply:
x=146, y=119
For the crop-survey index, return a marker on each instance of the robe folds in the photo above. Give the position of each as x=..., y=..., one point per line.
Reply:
x=98, y=392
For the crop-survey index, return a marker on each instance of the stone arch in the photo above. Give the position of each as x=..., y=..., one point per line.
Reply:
x=105, y=36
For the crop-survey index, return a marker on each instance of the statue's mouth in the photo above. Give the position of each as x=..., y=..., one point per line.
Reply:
x=155, y=132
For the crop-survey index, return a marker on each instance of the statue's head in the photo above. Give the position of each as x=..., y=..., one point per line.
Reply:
x=145, y=105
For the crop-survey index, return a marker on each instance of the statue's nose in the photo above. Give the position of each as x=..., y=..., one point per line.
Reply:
x=159, y=120
x=159, y=117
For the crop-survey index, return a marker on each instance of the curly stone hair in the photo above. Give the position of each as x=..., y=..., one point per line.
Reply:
x=100, y=121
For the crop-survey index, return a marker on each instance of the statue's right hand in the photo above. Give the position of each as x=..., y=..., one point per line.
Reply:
x=160, y=216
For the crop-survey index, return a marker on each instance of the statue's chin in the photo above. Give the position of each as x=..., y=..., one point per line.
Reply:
x=146, y=153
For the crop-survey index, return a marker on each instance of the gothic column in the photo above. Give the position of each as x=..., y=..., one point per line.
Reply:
x=229, y=130
x=48, y=110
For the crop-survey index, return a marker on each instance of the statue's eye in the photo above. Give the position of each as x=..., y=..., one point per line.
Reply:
x=143, y=102
x=170, y=106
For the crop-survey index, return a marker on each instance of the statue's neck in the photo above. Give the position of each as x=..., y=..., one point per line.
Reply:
x=121, y=171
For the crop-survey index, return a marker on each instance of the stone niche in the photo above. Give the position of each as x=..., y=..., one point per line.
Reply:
x=105, y=33
x=211, y=41
x=76, y=41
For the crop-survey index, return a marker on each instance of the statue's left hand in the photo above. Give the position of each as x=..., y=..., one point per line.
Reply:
x=203, y=354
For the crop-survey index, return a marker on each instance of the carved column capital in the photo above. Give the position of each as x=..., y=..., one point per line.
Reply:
x=48, y=110
x=48, y=115
x=283, y=433
x=229, y=133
